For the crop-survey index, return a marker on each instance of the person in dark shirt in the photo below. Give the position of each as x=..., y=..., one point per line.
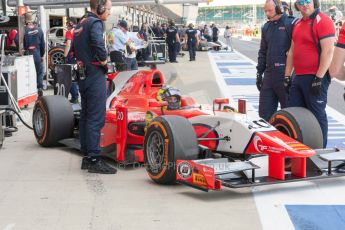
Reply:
x=143, y=35
x=91, y=56
x=34, y=44
x=275, y=43
x=192, y=41
x=172, y=39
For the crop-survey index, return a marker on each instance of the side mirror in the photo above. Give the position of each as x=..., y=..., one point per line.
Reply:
x=220, y=102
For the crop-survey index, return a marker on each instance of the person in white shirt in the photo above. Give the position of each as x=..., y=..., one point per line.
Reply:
x=227, y=36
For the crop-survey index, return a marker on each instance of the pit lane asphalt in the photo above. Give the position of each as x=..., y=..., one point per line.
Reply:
x=44, y=188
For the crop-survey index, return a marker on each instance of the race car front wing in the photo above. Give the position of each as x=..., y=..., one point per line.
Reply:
x=214, y=174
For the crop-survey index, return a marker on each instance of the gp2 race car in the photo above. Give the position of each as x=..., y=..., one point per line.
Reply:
x=205, y=45
x=206, y=147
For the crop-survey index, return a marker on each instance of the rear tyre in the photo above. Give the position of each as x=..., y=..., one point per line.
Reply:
x=168, y=138
x=55, y=57
x=300, y=124
x=53, y=120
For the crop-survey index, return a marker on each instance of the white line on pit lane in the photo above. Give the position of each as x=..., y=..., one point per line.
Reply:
x=9, y=227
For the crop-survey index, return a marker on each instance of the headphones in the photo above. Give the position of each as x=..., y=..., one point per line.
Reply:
x=100, y=7
x=278, y=7
x=316, y=4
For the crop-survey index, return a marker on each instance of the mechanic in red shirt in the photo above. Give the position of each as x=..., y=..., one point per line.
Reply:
x=337, y=69
x=10, y=42
x=70, y=59
x=310, y=55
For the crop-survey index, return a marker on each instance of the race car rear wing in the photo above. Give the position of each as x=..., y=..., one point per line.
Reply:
x=215, y=174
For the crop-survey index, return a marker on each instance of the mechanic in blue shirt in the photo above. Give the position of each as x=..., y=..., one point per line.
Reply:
x=117, y=41
x=172, y=39
x=275, y=43
x=91, y=55
x=34, y=44
x=192, y=41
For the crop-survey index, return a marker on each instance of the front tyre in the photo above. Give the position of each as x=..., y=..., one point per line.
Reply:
x=168, y=138
x=300, y=124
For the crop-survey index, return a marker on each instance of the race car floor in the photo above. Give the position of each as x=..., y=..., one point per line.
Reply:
x=44, y=188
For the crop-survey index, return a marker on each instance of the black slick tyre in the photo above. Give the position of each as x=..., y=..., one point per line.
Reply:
x=167, y=139
x=300, y=124
x=52, y=119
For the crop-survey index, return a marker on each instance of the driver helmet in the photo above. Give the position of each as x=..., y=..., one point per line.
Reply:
x=170, y=95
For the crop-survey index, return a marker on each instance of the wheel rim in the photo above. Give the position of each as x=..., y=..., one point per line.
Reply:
x=57, y=58
x=39, y=122
x=155, y=151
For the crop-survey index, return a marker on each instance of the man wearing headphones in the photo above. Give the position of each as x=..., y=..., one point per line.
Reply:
x=310, y=55
x=91, y=56
x=275, y=42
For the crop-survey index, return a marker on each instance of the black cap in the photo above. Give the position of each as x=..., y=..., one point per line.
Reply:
x=123, y=24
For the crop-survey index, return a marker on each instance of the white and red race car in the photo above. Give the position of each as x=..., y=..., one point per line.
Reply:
x=206, y=147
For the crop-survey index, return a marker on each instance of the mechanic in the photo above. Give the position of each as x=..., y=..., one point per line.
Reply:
x=117, y=41
x=34, y=44
x=158, y=32
x=206, y=33
x=310, y=55
x=215, y=34
x=275, y=43
x=172, y=39
x=11, y=45
x=91, y=56
x=227, y=36
x=192, y=41
x=70, y=59
x=170, y=95
x=337, y=68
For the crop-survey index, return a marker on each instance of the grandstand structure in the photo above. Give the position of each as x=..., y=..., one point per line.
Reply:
x=242, y=13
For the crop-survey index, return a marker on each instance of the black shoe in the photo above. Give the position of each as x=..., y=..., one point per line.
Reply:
x=101, y=167
x=85, y=163
x=74, y=101
x=173, y=61
x=40, y=92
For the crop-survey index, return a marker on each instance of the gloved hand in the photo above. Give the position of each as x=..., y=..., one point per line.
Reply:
x=259, y=81
x=287, y=83
x=316, y=85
